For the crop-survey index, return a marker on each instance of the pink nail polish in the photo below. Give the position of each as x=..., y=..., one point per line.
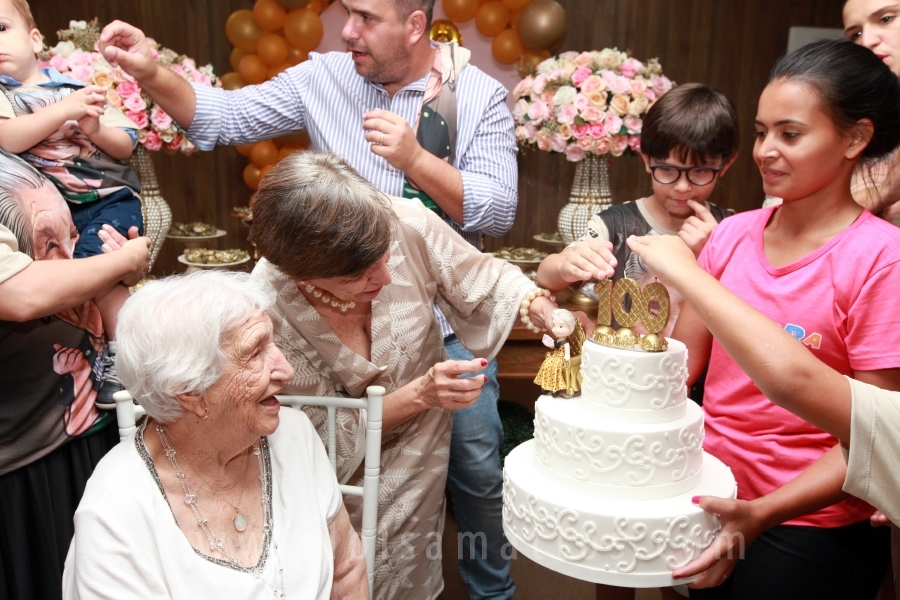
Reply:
x=485, y=378
x=696, y=499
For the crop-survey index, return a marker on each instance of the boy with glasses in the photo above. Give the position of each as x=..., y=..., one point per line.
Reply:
x=689, y=140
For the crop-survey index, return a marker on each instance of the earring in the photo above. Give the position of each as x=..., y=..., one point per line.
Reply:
x=206, y=416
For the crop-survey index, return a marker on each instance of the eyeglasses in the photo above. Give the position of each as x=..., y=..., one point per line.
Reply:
x=668, y=174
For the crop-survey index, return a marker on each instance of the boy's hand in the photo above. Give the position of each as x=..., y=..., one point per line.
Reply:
x=696, y=229
x=666, y=256
x=88, y=101
x=125, y=45
x=587, y=260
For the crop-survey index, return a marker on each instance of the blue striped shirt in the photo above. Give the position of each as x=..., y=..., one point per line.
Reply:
x=325, y=96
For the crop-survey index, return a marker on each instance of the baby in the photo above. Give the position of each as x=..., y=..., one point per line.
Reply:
x=65, y=129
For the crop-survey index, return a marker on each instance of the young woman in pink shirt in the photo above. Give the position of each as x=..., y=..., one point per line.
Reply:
x=827, y=271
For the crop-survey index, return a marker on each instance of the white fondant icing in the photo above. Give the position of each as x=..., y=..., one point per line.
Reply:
x=617, y=460
x=617, y=542
x=632, y=386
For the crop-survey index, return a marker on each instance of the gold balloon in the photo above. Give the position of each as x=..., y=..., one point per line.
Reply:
x=264, y=153
x=235, y=58
x=516, y=4
x=531, y=59
x=231, y=81
x=252, y=69
x=272, y=49
x=296, y=55
x=542, y=25
x=292, y=4
x=303, y=28
x=506, y=47
x=242, y=31
x=251, y=176
x=460, y=10
x=298, y=139
x=443, y=30
x=269, y=15
x=492, y=18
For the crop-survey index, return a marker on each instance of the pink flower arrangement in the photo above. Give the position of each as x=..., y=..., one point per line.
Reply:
x=587, y=103
x=156, y=129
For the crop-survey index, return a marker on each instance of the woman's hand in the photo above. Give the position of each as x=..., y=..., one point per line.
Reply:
x=443, y=386
x=667, y=256
x=741, y=525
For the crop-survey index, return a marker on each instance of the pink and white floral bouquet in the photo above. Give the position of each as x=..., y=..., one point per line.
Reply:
x=75, y=56
x=587, y=103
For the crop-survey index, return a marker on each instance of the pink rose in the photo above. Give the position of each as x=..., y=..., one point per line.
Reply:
x=619, y=105
x=565, y=130
x=593, y=84
x=621, y=85
x=127, y=89
x=574, y=153
x=598, y=131
x=597, y=100
x=592, y=115
x=566, y=114
x=543, y=141
x=82, y=73
x=638, y=87
x=613, y=123
x=633, y=124
x=619, y=144
x=530, y=131
x=187, y=147
x=650, y=95
x=134, y=103
x=559, y=74
x=154, y=54
x=581, y=102
x=519, y=110
x=583, y=59
x=630, y=67
x=570, y=54
x=581, y=131
x=153, y=141
x=537, y=112
x=585, y=143
x=160, y=118
x=139, y=117
x=175, y=144
x=580, y=74
x=540, y=81
x=608, y=76
x=201, y=78
x=521, y=134
x=661, y=84
x=547, y=96
x=79, y=58
x=602, y=146
x=557, y=142
x=523, y=88
x=178, y=70
x=59, y=62
x=634, y=142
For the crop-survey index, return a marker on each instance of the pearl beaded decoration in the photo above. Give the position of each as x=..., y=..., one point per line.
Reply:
x=526, y=302
x=327, y=298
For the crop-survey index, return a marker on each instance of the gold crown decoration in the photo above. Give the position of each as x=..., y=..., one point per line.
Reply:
x=611, y=297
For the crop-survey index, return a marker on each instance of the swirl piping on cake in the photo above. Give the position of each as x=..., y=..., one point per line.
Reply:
x=669, y=382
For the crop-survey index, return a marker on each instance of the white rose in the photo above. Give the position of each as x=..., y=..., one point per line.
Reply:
x=638, y=106
x=548, y=66
x=63, y=48
x=564, y=95
x=77, y=24
x=568, y=65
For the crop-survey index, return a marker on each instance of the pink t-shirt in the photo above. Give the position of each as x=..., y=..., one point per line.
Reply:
x=840, y=302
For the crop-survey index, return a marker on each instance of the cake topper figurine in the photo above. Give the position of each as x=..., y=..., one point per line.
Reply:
x=560, y=372
x=638, y=312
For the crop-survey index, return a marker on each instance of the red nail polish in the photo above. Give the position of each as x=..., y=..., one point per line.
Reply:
x=485, y=378
x=483, y=362
x=696, y=499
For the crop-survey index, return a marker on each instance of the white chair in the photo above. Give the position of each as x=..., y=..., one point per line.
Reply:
x=373, y=405
x=127, y=414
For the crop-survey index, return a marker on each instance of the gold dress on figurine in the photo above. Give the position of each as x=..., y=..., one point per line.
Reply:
x=558, y=374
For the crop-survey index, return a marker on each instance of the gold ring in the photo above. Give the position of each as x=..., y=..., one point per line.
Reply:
x=381, y=141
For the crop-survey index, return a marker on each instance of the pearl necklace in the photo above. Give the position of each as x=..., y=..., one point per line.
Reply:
x=216, y=544
x=327, y=298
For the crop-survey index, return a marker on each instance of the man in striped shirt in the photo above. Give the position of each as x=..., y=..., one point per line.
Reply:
x=364, y=105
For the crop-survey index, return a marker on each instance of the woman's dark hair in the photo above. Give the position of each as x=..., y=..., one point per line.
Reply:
x=315, y=217
x=692, y=121
x=852, y=84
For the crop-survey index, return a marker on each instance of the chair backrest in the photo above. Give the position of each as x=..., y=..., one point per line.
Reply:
x=127, y=413
x=373, y=405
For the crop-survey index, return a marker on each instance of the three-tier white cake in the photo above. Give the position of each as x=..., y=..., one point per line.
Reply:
x=603, y=491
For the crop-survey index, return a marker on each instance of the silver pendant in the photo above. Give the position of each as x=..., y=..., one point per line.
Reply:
x=240, y=522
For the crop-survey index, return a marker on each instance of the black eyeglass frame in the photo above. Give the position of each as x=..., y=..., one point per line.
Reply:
x=687, y=172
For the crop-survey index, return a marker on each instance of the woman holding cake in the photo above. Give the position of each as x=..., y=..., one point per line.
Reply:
x=826, y=269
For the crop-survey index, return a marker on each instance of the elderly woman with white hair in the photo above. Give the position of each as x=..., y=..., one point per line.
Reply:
x=219, y=493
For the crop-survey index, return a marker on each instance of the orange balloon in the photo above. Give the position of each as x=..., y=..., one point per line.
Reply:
x=244, y=149
x=492, y=18
x=287, y=151
x=516, y=4
x=514, y=18
x=265, y=171
x=303, y=28
x=507, y=47
x=272, y=49
x=460, y=10
x=231, y=81
x=296, y=139
x=235, y=58
x=242, y=31
x=264, y=153
x=278, y=70
x=317, y=6
x=252, y=69
x=251, y=176
x=269, y=15
x=296, y=55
